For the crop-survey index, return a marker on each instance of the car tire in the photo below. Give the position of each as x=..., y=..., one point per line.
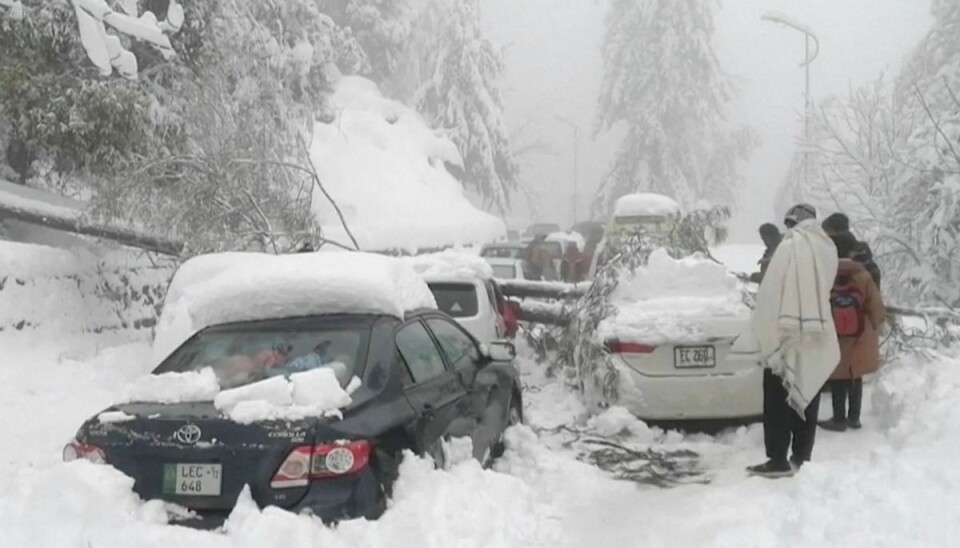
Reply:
x=438, y=452
x=514, y=417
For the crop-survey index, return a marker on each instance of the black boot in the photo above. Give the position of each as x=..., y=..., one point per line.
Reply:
x=838, y=394
x=856, y=403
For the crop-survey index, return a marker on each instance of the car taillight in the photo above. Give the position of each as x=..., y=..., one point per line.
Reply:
x=330, y=460
x=617, y=347
x=75, y=450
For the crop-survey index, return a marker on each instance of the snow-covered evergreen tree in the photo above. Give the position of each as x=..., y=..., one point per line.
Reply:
x=664, y=84
x=381, y=27
x=461, y=95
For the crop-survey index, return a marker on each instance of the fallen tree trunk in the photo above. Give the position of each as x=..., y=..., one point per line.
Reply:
x=524, y=289
x=556, y=314
x=35, y=207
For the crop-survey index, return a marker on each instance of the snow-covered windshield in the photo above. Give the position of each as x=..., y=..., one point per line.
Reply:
x=240, y=356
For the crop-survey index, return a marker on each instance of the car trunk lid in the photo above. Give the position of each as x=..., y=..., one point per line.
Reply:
x=190, y=455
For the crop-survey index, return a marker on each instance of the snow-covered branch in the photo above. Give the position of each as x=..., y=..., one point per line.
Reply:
x=106, y=50
x=12, y=9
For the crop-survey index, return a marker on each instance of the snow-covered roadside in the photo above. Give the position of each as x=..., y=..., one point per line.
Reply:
x=891, y=484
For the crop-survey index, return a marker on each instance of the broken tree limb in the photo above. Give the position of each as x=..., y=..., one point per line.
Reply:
x=38, y=208
x=543, y=290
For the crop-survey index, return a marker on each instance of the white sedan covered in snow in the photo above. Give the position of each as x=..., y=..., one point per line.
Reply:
x=670, y=340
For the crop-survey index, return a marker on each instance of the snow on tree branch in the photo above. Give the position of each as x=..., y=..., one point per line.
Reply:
x=106, y=50
x=15, y=9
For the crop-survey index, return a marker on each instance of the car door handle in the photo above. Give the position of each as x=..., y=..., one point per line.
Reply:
x=428, y=409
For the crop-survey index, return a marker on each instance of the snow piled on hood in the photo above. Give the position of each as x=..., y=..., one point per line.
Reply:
x=236, y=287
x=312, y=393
x=668, y=298
x=385, y=169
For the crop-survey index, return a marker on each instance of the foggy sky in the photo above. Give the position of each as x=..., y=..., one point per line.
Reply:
x=553, y=68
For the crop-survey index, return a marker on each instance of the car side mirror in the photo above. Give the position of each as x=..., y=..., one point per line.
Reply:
x=499, y=351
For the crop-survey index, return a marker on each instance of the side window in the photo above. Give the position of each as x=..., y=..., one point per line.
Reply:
x=421, y=354
x=457, y=345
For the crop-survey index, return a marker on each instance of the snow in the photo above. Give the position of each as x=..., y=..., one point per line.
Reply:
x=384, y=167
x=110, y=417
x=310, y=394
x=668, y=298
x=645, y=203
x=891, y=484
x=236, y=287
x=450, y=264
x=191, y=386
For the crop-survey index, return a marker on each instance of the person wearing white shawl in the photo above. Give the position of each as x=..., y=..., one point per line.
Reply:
x=795, y=340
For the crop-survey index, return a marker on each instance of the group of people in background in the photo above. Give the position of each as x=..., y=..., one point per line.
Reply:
x=541, y=264
x=816, y=326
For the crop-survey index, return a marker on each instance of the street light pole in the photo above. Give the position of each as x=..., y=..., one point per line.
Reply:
x=576, y=162
x=810, y=40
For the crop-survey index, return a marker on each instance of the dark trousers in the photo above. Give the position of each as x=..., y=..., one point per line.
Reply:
x=782, y=425
x=841, y=391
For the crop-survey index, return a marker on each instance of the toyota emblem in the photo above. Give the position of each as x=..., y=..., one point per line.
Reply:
x=188, y=434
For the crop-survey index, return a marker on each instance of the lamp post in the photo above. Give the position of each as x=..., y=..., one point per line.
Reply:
x=810, y=40
x=576, y=167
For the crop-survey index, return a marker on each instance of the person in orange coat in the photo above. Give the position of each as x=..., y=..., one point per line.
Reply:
x=859, y=355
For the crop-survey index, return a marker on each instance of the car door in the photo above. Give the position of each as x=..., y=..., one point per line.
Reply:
x=435, y=391
x=485, y=404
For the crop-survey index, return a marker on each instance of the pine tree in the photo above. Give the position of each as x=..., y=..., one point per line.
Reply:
x=381, y=28
x=462, y=95
x=664, y=84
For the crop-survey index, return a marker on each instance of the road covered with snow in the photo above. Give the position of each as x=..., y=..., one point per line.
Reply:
x=567, y=479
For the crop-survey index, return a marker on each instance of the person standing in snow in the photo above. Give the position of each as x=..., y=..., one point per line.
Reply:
x=533, y=258
x=839, y=223
x=573, y=268
x=796, y=342
x=770, y=235
x=859, y=314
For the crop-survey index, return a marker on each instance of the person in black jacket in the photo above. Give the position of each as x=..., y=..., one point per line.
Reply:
x=771, y=237
x=839, y=223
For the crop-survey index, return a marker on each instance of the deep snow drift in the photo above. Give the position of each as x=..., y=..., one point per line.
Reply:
x=891, y=484
x=386, y=170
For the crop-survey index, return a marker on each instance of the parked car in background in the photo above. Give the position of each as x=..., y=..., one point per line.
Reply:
x=475, y=304
x=464, y=287
x=507, y=269
x=503, y=251
x=652, y=213
x=411, y=380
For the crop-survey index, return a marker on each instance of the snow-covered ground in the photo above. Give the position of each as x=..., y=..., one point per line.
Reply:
x=567, y=479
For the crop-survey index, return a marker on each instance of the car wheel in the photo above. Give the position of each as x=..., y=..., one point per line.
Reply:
x=514, y=417
x=438, y=452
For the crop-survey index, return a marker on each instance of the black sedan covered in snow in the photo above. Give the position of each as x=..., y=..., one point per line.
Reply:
x=424, y=380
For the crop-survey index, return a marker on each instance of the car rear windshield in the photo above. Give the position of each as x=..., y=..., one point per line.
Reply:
x=458, y=300
x=504, y=271
x=243, y=355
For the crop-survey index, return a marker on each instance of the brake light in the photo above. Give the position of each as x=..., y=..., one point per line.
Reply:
x=316, y=462
x=617, y=347
x=76, y=450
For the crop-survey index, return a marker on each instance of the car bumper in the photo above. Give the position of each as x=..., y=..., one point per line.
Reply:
x=692, y=397
x=334, y=500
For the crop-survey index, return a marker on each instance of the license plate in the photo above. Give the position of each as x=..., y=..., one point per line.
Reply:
x=198, y=480
x=692, y=357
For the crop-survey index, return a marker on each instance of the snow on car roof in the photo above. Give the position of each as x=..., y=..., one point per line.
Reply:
x=450, y=265
x=236, y=287
x=645, y=203
x=668, y=298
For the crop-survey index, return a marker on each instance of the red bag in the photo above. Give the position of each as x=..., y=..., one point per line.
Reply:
x=849, y=312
